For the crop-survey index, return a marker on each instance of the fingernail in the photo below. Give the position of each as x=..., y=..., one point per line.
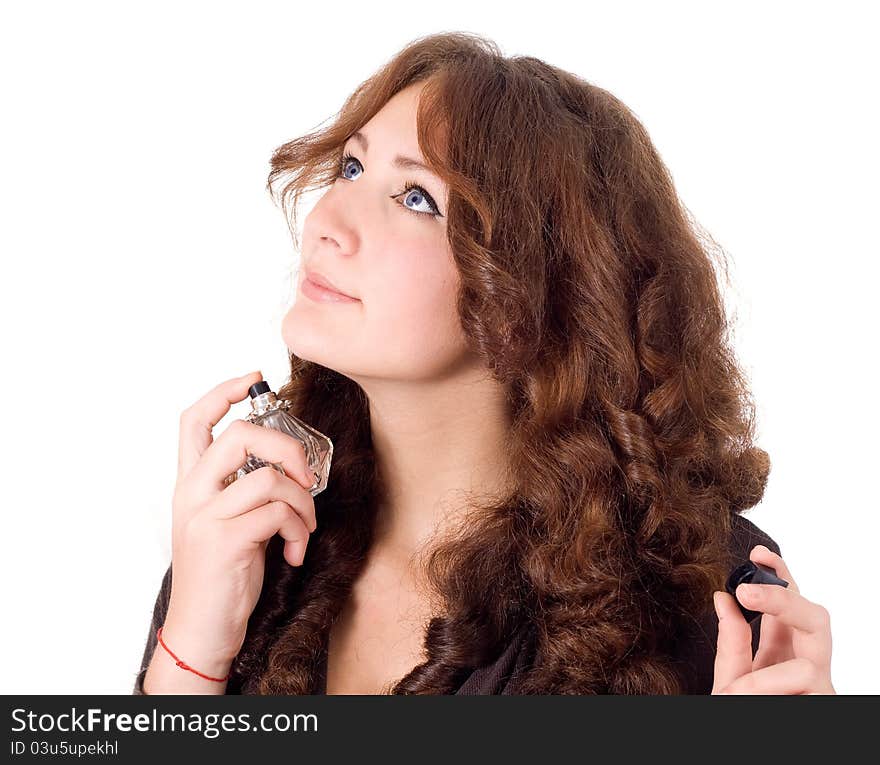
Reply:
x=717, y=604
x=300, y=552
x=749, y=590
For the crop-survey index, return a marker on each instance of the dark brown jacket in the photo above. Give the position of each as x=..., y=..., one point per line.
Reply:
x=695, y=645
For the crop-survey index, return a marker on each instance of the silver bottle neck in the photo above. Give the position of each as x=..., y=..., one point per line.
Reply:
x=264, y=402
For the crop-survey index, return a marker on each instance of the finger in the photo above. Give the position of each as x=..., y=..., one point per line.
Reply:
x=790, y=607
x=240, y=440
x=774, y=643
x=273, y=518
x=259, y=487
x=810, y=622
x=790, y=677
x=763, y=554
x=733, y=655
x=776, y=637
x=197, y=422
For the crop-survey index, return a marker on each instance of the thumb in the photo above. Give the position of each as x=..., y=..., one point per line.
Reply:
x=733, y=656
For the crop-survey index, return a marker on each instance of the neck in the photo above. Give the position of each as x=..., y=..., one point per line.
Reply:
x=437, y=445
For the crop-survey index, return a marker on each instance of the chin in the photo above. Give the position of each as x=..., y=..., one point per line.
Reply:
x=313, y=340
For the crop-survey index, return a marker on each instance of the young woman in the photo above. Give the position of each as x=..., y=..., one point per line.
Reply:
x=543, y=444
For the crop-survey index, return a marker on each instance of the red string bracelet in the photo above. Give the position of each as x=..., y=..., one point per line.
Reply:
x=183, y=665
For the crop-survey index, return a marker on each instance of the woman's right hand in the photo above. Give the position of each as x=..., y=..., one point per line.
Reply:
x=220, y=535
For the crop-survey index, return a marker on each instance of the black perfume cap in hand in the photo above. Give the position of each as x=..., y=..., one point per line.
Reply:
x=258, y=388
x=751, y=573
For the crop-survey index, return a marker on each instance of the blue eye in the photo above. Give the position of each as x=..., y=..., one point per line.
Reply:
x=415, y=193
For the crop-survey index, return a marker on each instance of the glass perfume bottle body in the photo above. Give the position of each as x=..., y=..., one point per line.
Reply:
x=269, y=412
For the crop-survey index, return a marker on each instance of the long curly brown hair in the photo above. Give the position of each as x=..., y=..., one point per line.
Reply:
x=590, y=293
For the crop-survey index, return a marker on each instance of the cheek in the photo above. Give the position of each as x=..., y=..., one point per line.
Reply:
x=416, y=307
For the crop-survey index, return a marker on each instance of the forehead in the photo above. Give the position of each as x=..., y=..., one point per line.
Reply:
x=395, y=123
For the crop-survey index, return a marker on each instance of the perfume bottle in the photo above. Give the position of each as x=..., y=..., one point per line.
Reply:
x=269, y=412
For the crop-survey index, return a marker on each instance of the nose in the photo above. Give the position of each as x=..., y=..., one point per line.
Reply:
x=339, y=237
x=333, y=226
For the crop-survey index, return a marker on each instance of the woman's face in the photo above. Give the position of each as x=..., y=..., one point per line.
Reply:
x=380, y=239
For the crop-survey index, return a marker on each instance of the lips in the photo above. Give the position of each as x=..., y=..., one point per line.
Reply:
x=323, y=281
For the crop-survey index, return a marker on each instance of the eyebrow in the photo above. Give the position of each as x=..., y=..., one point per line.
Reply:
x=404, y=163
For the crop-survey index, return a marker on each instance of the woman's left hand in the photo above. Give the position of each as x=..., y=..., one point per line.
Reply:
x=794, y=650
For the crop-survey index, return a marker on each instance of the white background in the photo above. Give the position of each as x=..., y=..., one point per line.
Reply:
x=144, y=262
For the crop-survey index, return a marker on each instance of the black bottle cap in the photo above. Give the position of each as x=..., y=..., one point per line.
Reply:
x=259, y=387
x=751, y=573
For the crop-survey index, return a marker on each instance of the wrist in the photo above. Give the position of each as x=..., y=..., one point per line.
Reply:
x=185, y=646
